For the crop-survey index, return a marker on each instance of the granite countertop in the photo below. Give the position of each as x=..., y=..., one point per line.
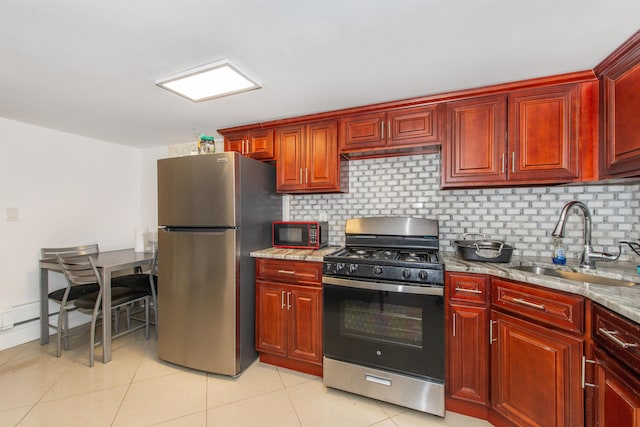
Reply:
x=624, y=300
x=295, y=254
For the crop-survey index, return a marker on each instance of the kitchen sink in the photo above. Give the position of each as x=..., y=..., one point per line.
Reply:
x=572, y=275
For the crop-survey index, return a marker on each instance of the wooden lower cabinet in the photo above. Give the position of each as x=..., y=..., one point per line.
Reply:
x=514, y=352
x=615, y=399
x=467, y=344
x=535, y=373
x=289, y=320
x=617, y=392
x=468, y=377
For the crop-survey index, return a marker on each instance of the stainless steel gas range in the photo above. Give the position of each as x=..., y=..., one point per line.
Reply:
x=383, y=315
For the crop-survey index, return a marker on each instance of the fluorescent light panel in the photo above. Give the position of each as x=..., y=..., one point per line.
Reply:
x=214, y=80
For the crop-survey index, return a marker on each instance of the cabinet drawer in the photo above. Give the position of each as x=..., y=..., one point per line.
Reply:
x=617, y=335
x=289, y=271
x=467, y=287
x=551, y=307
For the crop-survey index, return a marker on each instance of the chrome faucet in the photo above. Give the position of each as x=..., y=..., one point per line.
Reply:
x=589, y=257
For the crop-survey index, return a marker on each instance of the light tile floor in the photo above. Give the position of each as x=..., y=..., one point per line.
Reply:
x=137, y=389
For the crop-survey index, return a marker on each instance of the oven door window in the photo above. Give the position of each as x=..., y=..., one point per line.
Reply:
x=386, y=330
x=375, y=320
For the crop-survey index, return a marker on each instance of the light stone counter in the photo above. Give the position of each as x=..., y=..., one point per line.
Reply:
x=295, y=254
x=620, y=299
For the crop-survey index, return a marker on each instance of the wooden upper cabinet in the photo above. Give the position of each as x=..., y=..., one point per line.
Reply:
x=534, y=136
x=543, y=134
x=257, y=143
x=308, y=160
x=475, y=144
x=619, y=111
x=379, y=133
x=291, y=160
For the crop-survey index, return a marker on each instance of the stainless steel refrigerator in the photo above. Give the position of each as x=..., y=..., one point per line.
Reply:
x=213, y=210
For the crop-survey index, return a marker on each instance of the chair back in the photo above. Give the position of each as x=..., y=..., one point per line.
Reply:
x=52, y=253
x=79, y=270
x=154, y=264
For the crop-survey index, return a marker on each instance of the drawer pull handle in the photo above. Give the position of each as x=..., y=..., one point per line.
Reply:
x=528, y=304
x=282, y=299
x=612, y=336
x=471, y=291
x=286, y=272
x=378, y=380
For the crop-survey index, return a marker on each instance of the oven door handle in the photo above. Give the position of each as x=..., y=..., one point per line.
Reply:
x=383, y=286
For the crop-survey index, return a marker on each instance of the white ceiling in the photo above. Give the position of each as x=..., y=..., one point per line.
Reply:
x=88, y=67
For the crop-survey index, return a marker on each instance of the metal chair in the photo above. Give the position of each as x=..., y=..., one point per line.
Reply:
x=146, y=282
x=80, y=271
x=64, y=296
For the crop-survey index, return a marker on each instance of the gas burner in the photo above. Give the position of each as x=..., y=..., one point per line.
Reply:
x=414, y=256
x=384, y=254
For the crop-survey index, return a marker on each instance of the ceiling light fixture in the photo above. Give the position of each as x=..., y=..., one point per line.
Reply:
x=214, y=80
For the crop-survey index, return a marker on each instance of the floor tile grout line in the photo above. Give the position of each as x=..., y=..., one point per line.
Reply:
x=45, y=393
x=286, y=389
x=124, y=396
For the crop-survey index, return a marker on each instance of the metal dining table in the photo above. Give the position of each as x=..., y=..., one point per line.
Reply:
x=107, y=262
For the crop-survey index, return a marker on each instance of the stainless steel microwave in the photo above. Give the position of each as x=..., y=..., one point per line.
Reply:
x=300, y=234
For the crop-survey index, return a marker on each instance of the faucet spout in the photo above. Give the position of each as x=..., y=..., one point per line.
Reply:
x=558, y=231
x=589, y=257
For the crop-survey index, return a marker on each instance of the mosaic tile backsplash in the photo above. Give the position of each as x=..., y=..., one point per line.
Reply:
x=524, y=217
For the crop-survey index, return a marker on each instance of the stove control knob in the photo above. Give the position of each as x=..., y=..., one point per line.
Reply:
x=377, y=270
x=406, y=273
x=339, y=267
x=353, y=268
x=423, y=275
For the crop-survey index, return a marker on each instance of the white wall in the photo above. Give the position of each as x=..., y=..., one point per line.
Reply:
x=149, y=185
x=69, y=190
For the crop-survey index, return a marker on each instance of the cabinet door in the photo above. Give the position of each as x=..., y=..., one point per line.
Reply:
x=261, y=145
x=617, y=394
x=418, y=125
x=535, y=374
x=271, y=317
x=543, y=134
x=235, y=142
x=620, y=105
x=321, y=166
x=474, y=149
x=305, y=324
x=468, y=354
x=362, y=131
x=290, y=161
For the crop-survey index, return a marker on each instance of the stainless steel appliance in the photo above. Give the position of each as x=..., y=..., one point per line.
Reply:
x=300, y=234
x=383, y=315
x=213, y=210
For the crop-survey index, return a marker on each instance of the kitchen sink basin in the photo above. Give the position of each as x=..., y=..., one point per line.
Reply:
x=572, y=275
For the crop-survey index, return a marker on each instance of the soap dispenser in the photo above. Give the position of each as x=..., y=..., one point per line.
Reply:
x=559, y=252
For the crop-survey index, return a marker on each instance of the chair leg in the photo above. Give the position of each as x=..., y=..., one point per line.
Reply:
x=59, y=332
x=128, y=309
x=155, y=315
x=116, y=322
x=92, y=340
x=146, y=318
x=65, y=329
